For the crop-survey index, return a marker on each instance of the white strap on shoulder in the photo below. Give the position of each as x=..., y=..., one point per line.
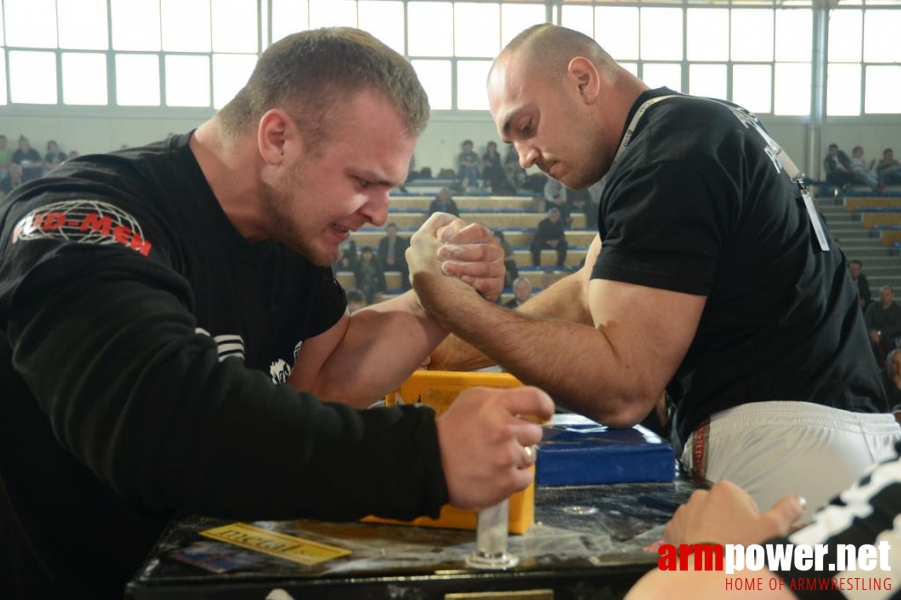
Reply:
x=779, y=157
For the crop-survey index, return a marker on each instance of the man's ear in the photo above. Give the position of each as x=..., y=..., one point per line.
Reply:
x=584, y=75
x=273, y=133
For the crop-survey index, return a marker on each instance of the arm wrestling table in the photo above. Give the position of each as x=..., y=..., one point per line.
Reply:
x=588, y=542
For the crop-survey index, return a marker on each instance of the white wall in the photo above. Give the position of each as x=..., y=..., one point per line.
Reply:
x=98, y=130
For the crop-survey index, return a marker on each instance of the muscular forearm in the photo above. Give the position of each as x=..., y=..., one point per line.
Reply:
x=383, y=345
x=455, y=354
x=564, y=301
x=574, y=362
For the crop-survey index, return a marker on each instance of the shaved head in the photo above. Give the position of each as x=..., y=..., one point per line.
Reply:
x=548, y=49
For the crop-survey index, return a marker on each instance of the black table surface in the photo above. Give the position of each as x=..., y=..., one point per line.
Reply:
x=587, y=542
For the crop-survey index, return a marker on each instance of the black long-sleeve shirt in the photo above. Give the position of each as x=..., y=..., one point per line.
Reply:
x=144, y=346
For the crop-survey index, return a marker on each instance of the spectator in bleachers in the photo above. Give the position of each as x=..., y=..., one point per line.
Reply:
x=370, y=278
x=516, y=175
x=468, y=166
x=348, y=257
x=444, y=202
x=29, y=159
x=863, y=173
x=509, y=259
x=838, y=167
x=493, y=173
x=54, y=157
x=391, y=254
x=522, y=291
x=549, y=278
x=551, y=234
x=883, y=321
x=555, y=197
x=889, y=169
x=891, y=379
x=14, y=178
x=6, y=158
x=579, y=201
x=855, y=268
x=355, y=300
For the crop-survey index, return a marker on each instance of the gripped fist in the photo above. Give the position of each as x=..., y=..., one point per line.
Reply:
x=446, y=245
x=487, y=448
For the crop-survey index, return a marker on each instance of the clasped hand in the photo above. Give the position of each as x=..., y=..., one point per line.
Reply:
x=448, y=253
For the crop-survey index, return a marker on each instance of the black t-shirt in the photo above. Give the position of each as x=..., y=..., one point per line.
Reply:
x=697, y=205
x=172, y=398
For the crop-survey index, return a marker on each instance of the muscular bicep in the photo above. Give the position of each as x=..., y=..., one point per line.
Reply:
x=648, y=329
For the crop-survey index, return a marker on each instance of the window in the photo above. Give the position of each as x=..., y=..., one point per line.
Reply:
x=186, y=25
x=661, y=33
x=137, y=80
x=752, y=87
x=30, y=23
x=82, y=24
x=429, y=30
x=333, y=13
x=199, y=53
x=234, y=26
x=84, y=78
x=663, y=75
x=708, y=80
x=472, y=76
x=708, y=34
x=384, y=20
x=435, y=76
x=618, y=28
x=477, y=29
x=792, y=85
x=862, y=52
x=187, y=80
x=32, y=77
x=518, y=17
x=3, y=94
x=288, y=16
x=230, y=74
x=843, y=89
x=136, y=25
x=883, y=90
x=752, y=34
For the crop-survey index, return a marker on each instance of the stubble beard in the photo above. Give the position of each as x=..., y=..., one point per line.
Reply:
x=286, y=227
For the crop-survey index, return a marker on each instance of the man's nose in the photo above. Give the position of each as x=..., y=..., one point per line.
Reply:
x=527, y=155
x=376, y=208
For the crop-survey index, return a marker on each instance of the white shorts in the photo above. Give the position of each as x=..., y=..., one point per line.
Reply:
x=773, y=449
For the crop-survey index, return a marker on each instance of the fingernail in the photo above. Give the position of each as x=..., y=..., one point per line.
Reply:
x=444, y=268
x=802, y=501
x=443, y=253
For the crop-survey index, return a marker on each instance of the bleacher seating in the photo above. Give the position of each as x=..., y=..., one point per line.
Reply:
x=505, y=221
x=880, y=215
x=514, y=215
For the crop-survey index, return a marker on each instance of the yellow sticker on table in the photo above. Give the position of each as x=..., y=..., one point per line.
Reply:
x=295, y=549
